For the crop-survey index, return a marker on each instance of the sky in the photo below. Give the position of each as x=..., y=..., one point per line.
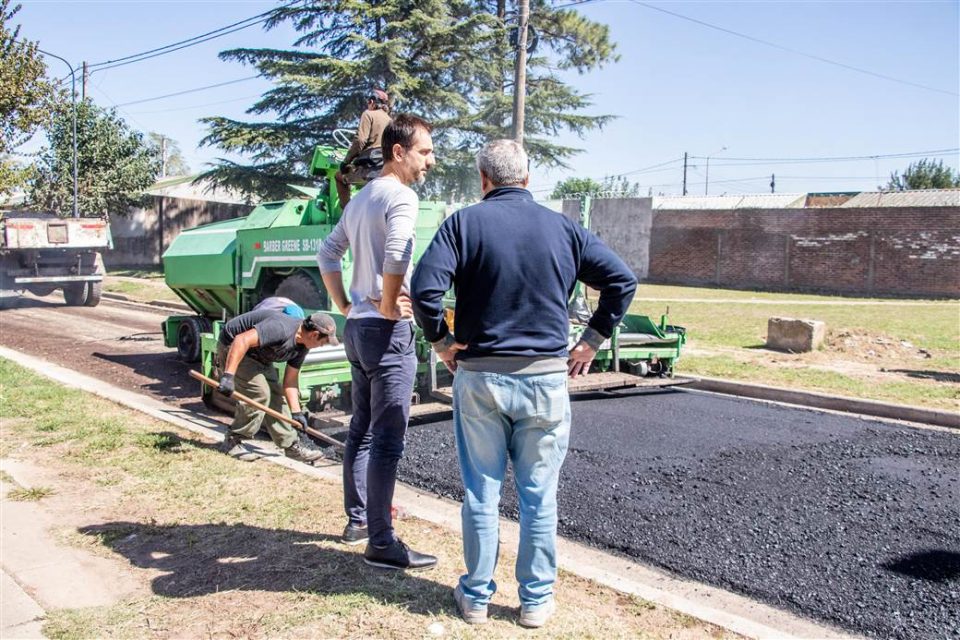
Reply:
x=816, y=93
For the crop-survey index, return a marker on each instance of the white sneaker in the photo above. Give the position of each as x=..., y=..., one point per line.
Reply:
x=535, y=617
x=469, y=613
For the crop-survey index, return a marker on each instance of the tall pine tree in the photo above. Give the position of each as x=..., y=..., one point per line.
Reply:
x=450, y=62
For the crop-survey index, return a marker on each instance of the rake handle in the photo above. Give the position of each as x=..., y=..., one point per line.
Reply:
x=210, y=382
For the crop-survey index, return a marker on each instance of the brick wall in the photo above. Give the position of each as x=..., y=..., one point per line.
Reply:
x=876, y=251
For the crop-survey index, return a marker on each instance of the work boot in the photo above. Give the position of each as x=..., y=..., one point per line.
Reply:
x=398, y=556
x=535, y=617
x=233, y=446
x=300, y=453
x=470, y=613
x=353, y=534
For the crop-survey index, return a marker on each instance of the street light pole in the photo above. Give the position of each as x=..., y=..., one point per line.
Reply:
x=73, y=102
x=706, y=178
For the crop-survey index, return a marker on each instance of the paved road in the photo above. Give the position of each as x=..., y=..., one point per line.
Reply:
x=849, y=521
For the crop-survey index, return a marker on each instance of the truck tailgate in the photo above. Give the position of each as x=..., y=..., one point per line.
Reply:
x=65, y=233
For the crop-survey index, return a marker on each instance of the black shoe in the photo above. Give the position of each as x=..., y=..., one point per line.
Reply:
x=300, y=453
x=353, y=534
x=398, y=556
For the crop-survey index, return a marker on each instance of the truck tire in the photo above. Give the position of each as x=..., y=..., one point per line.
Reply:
x=75, y=293
x=94, y=291
x=302, y=289
x=188, y=338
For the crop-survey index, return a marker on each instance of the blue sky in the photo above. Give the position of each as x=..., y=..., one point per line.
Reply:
x=679, y=86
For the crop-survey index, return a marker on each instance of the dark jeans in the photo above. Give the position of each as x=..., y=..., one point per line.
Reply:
x=383, y=365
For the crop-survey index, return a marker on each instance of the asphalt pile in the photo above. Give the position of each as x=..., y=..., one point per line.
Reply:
x=852, y=522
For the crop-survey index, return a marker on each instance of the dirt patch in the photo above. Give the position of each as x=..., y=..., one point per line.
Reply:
x=872, y=347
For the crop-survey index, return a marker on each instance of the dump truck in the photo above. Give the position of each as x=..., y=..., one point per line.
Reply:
x=226, y=268
x=42, y=252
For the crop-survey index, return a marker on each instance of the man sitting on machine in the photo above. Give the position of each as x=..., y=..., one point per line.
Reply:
x=364, y=159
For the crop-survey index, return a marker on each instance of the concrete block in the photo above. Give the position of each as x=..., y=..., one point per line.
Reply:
x=798, y=336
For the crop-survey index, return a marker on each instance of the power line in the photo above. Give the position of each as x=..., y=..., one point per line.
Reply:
x=746, y=162
x=793, y=51
x=196, y=106
x=181, y=93
x=189, y=42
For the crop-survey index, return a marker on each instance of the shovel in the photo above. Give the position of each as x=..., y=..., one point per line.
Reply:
x=210, y=382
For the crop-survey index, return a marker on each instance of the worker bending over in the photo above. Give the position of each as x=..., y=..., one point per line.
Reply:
x=250, y=345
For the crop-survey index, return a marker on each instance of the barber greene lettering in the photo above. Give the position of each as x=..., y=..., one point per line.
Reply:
x=292, y=245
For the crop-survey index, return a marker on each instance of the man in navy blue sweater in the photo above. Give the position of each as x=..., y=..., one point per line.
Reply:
x=513, y=264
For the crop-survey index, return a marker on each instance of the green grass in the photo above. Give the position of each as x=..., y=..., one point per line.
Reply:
x=144, y=291
x=727, y=331
x=32, y=494
x=922, y=394
x=148, y=273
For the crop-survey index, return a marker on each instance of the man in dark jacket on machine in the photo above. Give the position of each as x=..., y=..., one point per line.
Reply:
x=250, y=344
x=514, y=265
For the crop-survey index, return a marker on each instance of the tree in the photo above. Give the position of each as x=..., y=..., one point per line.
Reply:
x=610, y=187
x=25, y=96
x=925, y=174
x=449, y=62
x=114, y=164
x=168, y=151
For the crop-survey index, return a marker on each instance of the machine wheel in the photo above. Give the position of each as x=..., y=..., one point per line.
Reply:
x=188, y=338
x=94, y=291
x=75, y=293
x=301, y=288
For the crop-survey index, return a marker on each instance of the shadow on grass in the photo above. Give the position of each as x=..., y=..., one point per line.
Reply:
x=939, y=376
x=197, y=560
x=936, y=565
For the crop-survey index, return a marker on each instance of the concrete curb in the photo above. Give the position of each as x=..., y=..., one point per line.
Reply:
x=731, y=611
x=834, y=403
x=156, y=304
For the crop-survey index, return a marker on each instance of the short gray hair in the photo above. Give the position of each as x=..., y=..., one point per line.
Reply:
x=504, y=162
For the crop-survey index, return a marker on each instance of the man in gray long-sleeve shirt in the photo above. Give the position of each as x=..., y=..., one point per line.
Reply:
x=378, y=225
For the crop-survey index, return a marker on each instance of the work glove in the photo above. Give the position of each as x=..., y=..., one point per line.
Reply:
x=303, y=417
x=226, y=384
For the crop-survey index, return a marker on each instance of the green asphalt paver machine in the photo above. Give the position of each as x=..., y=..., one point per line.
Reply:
x=226, y=268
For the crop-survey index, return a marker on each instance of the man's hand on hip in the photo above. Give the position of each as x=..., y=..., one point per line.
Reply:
x=403, y=310
x=447, y=352
x=581, y=356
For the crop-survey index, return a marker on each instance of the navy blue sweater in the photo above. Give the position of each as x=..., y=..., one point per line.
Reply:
x=513, y=265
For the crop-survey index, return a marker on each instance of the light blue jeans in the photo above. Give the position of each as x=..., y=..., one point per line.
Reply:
x=526, y=419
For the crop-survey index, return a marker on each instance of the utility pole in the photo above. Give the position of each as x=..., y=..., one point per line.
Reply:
x=520, y=72
x=684, y=173
x=706, y=177
x=86, y=77
x=163, y=156
x=773, y=183
x=73, y=103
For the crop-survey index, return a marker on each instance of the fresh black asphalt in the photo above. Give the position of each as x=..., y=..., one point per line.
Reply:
x=853, y=522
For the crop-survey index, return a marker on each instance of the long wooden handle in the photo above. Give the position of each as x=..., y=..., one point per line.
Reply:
x=267, y=410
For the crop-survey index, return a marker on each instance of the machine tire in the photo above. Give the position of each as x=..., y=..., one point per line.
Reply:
x=188, y=339
x=94, y=292
x=75, y=293
x=302, y=289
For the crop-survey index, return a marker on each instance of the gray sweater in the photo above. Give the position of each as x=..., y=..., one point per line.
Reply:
x=378, y=226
